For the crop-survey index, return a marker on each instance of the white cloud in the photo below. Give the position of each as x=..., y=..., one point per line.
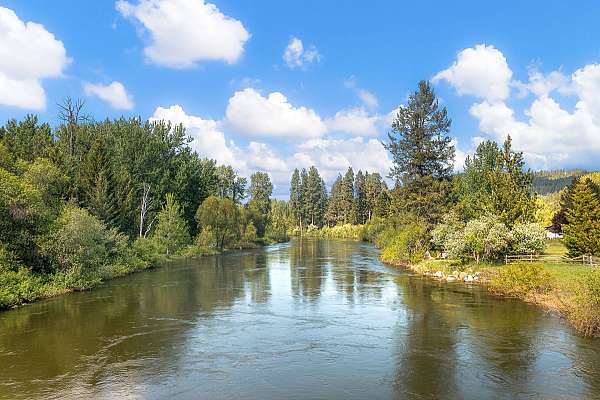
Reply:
x=481, y=71
x=296, y=56
x=542, y=85
x=28, y=54
x=185, y=32
x=332, y=156
x=367, y=98
x=250, y=113
x=114, y=94
x=355, y=121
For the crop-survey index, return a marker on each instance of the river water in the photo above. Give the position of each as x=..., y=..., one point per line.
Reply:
x=303, y=320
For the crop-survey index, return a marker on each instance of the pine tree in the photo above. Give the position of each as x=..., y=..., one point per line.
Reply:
x=360, y=190
x=334, y=207
x=423, y=154
x=348, y=210
x=374, y=186
x=295, y=197
x=171, y=232
x=582, y=230
x=261, y=189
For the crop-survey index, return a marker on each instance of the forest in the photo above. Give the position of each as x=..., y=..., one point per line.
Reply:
x=87, y=201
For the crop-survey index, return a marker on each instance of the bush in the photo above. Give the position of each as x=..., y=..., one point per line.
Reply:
x=484, y=238
x=521, y=280
x=529, y=239
x=408, y=245
x=584, y=314
x=80, y=246
x=346, y=231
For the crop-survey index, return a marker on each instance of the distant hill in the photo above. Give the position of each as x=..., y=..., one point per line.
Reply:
x=547, y=182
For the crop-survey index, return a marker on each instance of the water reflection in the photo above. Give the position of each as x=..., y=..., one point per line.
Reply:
x=308, y=319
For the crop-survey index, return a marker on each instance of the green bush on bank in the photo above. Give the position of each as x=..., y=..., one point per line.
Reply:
x=520, y=280
x=583, y=312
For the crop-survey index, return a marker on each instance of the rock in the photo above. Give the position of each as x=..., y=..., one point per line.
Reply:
x=469, y=278
x=427, y=255
x=462, y=275
x=439, y=274
x=451, y=278
x=455, y=273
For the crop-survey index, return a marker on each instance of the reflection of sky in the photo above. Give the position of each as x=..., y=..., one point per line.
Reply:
x=327, y=322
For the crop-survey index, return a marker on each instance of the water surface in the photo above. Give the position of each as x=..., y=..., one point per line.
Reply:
x=303, y=320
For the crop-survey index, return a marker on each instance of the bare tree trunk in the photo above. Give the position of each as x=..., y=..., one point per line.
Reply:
x=144, y=207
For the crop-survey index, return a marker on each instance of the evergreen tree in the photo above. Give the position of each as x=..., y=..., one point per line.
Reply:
x=295, y=197
x=582, y=230
x=348, y=210
x=374, y=186
x=171, y=232
x=360, y=189
x=315, y=197
x=334, y=206
x=422, y=154
x=495, y=182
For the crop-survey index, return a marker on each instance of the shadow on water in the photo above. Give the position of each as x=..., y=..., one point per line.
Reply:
x=306, y=319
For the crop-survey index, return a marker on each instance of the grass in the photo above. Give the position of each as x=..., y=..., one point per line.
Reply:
x=556, y=248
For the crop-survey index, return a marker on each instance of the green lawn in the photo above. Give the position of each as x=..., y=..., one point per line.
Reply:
x=556, y=247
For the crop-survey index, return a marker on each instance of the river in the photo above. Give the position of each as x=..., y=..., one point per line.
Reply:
x=310, y=319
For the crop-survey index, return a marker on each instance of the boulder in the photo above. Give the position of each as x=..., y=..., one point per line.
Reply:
x=439, y=274
x=469, y=278
x=451, y=278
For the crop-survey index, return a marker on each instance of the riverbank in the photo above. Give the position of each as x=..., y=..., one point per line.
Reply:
x=21, y=286
x=568, y=290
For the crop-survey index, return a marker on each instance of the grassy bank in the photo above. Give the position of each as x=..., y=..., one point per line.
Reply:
x=18, y=285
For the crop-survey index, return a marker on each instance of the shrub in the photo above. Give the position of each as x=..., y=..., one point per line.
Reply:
x=584, y=313
x=520, y=280
x=408, y=245
x=346, y=231
x=484, y=238
x=80, y=246
x=529, y=238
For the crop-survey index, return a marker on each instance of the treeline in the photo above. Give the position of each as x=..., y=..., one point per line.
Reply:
x=352, y=200
x=91, y=200
x=548, y=182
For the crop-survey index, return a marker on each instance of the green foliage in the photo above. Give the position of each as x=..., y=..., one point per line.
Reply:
x=222, y=216
x=346, y=231
x=521, y=280
x=206, y=238
x=423, y=155
x=80, y=246
x=582, y=212
x=171, y=233
x=529, y=238
x=261, y=190
x=408, y=244
x=281, y=221
x=495, y=182
x=485, y=238
x=584, y=311
x=550, y=182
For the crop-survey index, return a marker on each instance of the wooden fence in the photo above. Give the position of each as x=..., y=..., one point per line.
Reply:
x=586, y=260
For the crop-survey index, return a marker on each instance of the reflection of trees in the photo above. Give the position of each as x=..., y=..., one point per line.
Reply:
x=144, y=316
x=307, y=267
x=453, y=333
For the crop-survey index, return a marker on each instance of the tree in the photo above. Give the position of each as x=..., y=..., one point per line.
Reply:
x=221, y=216
x=295, y=197
x=334, y=212
x=373, y=188
x=582, y=212
x=171, y=232
x=361, y=205
x=484, y=238
x=422, y=155
x=347, y=203
x=314, y=197
x=261, y=189
x=528, y=238
x=495, y=181
x=280, y=220
x=230, y=185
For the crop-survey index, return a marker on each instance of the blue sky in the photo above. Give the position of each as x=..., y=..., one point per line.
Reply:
x=525, y=68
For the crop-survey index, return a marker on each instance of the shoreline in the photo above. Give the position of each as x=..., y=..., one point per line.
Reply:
x=554, y=302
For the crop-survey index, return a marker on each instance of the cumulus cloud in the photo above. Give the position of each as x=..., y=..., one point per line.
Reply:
x=332, y=156
x=28, y=54
x=207, y=137
x=549, y=133
x=355, y=121
x=185, y=32
x=296, y=56
x=114, y=94
x=250, y=113
x=480, y=71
